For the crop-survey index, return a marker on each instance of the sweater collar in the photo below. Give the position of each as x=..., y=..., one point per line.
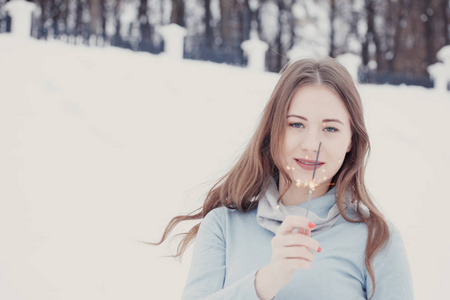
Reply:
x=323, y=211
x=321, y=206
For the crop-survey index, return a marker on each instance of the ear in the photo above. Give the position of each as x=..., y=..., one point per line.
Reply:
x=349, y=146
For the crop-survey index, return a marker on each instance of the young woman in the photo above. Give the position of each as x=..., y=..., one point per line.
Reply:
x=261, y=239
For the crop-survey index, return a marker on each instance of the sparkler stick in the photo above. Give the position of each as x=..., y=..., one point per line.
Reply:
x=312, y=184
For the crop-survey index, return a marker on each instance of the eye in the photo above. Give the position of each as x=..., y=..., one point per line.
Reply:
x=331, y=129
x=296, y=125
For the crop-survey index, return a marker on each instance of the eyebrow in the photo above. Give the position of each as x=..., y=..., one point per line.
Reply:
x=324, y=120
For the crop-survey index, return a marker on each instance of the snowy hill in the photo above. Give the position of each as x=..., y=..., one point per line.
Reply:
x=100, y=148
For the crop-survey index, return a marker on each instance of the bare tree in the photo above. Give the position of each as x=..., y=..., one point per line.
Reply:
x=332, y=33
x=209, y=38
x=428, y=20
x=146, y=29
x=178, y=12
x=117, y=39
x=234, y=28
x=372, y=36
x=445, y=10
x=82, y=20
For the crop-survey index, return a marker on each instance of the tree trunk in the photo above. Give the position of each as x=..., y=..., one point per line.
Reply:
x=228, y=22
x=103, y=15
x=446, y=20
x=429, y=32
x=62, y=16
x=279, y=40
x=401, y=12
x=177, y=15
x=117, y=39
x=332, y=32
x=372, y=36
x=95, y=11
x=209, y=38
x=243, y=10
x=81, y=28
x=146, y=29
x=365, y=55
x=230, y=32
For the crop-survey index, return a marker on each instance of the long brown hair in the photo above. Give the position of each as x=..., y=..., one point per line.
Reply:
x=249, y=177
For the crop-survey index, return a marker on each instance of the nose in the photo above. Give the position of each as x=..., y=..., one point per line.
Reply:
x=310, y=142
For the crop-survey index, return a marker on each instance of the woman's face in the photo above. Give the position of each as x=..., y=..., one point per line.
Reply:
x=316, y=114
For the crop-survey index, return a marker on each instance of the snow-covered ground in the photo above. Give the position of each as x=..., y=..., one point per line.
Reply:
x=100, y=148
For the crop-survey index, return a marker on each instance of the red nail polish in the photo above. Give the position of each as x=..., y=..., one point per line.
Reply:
x=311, y=225
x=320, y=249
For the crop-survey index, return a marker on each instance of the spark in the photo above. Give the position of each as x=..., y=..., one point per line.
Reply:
x=287, y=167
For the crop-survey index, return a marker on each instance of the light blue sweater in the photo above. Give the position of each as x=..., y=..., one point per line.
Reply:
x=231, y=246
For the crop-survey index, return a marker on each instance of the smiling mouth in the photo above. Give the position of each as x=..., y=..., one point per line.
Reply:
x=308, y=162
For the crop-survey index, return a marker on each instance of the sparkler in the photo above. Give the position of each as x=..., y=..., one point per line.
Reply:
x=312, y=184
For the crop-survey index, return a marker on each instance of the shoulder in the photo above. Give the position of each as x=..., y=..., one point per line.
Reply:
x=223, y=217
x=228, y=223
x=391, y=269
x=216, y=215
x=357, y=233
x=395, y=243
x=393, y=250
x=214, y=221
x=361, y=228
x=222, y=214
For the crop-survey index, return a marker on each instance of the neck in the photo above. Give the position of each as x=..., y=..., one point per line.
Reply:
x=297, y=195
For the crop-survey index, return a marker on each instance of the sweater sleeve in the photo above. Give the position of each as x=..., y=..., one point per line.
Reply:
x=392, y=272
x=206, y=276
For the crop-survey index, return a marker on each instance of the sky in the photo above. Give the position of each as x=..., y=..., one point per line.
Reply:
x=101, y=147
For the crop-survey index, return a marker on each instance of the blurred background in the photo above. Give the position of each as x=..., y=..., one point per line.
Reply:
x=115, y=116
x=396, y=39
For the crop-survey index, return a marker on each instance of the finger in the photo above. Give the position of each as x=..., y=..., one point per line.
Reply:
x=297, y=252
x=297, y=263
x=305, y=231
x=296, y=239
x=291, y=222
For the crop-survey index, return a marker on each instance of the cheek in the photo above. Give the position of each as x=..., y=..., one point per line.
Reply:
x=283, y=153
x=342, y=147
x=288, y=147
x=336, y=156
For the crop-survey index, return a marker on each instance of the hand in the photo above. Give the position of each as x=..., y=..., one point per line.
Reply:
x=292, y=249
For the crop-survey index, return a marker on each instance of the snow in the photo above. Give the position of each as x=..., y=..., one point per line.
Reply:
x=351, y=62
x=100, y=148
x=444, y=54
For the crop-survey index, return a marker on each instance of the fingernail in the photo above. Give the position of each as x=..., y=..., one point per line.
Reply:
x=311, y=225
x=320, y=249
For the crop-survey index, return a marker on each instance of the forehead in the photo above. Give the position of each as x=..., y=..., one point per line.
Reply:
x=317, y=101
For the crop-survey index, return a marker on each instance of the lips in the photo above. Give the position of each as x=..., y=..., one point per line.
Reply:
x=308, y=164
